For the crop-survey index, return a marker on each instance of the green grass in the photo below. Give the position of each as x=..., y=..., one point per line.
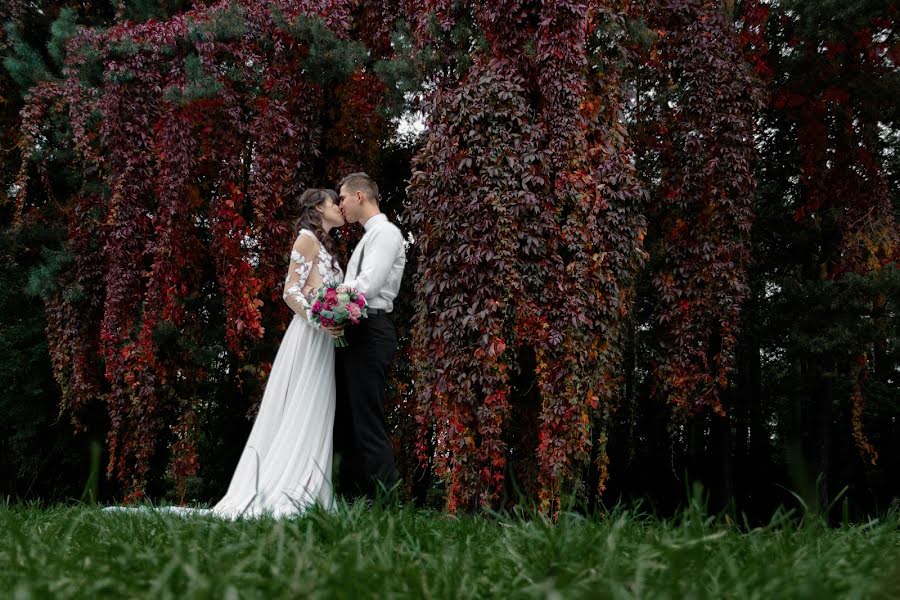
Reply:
x=357, y=552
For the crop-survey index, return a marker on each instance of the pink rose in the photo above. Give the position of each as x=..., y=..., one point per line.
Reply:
x=360, y=299
x=317, y=307
x=355, y=312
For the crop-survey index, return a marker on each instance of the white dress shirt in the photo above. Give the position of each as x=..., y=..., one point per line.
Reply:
x=382, y=263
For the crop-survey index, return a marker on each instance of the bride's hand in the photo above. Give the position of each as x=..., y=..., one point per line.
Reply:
x=336, y=331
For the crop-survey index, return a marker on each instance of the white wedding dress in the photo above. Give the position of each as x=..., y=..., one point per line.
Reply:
x=286, y=464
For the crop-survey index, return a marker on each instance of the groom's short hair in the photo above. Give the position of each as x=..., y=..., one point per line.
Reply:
x=360, y=182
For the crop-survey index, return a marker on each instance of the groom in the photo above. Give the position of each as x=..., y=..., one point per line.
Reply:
x=375, y=269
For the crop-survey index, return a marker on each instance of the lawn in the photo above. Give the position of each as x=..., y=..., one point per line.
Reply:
x=83, y=552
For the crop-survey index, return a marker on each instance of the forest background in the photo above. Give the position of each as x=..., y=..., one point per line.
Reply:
x=652, y=243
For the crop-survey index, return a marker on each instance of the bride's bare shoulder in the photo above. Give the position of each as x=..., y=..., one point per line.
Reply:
x=306, y=243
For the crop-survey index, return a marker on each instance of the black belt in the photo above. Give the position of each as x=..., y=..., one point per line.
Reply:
x=376, y=311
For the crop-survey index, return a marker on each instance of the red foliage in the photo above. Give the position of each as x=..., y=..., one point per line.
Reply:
x=703, y=127
x=374, y=22
x=526, y=215
x=196, y=137
x=833, y=97
x=468, y=281
x=74, y=314
x=754, y=17
x=358, y=130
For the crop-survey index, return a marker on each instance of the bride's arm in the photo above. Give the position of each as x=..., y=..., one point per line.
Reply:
x=304, y=256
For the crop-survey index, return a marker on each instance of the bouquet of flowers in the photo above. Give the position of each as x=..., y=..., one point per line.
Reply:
x=337, y=305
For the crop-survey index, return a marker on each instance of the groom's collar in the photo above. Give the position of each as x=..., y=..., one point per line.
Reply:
x=375, y=220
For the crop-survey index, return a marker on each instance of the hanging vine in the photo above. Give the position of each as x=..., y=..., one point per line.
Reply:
x=193, y=134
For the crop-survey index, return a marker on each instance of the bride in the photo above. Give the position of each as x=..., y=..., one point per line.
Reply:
x=286, y=464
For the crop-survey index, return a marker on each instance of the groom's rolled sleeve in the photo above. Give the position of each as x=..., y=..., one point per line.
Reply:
x=381, y=251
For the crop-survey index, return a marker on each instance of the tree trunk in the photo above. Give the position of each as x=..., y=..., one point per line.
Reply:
x=720, y=453
x=821, y=419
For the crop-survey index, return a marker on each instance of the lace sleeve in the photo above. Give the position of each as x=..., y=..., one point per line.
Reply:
x=304, y=256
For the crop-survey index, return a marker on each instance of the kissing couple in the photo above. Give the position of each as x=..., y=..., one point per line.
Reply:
x=319, y=396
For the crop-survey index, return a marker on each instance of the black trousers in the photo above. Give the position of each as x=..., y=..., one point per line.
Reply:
x=361, y=435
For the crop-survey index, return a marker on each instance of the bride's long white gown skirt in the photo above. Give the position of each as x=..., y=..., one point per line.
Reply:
x=286, y=464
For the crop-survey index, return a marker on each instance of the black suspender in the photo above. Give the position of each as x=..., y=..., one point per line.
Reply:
x=362, y=253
